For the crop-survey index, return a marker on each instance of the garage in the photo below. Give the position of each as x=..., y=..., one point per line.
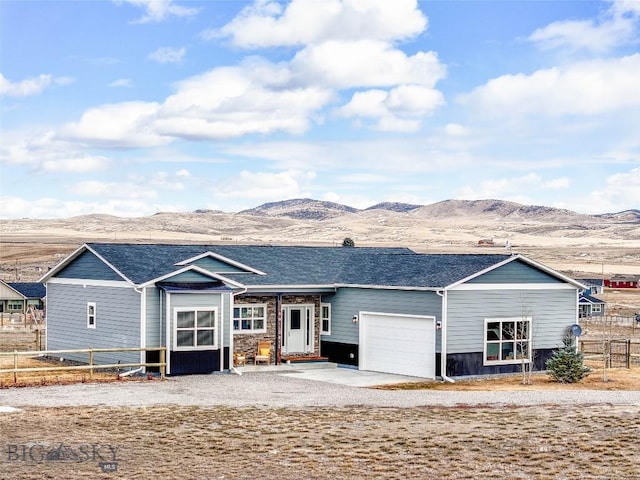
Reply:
x=400, y=344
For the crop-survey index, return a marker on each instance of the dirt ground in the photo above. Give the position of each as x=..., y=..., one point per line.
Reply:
x=589, y=442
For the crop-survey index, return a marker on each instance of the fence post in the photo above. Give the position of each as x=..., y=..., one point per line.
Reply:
x=91, y=363
x=628, y=352
x=15, y=366
x=163, y=352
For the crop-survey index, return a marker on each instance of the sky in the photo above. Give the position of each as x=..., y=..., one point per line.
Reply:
x=133, y=107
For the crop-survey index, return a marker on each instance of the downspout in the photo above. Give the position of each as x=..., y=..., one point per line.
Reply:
x=232, y=297
x=143, y=324
x=443, y=338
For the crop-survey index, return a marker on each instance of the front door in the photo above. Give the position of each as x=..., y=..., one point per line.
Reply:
x=298, y=328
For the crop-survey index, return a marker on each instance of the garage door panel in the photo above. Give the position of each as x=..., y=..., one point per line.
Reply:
x=398, y=344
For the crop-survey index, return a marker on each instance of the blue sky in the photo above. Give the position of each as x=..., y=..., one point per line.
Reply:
x=132, y=107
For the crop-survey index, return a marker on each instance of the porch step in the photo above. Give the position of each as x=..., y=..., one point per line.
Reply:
x=304, y=359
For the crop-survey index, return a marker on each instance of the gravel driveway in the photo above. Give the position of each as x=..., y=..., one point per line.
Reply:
x=280, y=390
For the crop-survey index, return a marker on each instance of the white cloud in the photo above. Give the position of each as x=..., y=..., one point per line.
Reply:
x=362, y=63
x=43, y=152
x=302, y=22
x=122, y=83
x=396, y=109
x=585, y=88
x=266, y=186
x=522, y=187
x=617, y=27
x=621, y=191
x=456, y=130
x=122, y=125
x=159, y=10
x=168, y=55
x=114, y=190
x=24, y=88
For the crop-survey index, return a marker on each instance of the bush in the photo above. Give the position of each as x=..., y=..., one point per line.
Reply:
x=348, y=242
x=567, y=364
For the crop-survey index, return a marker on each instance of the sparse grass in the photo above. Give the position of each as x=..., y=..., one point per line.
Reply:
x=337, y=443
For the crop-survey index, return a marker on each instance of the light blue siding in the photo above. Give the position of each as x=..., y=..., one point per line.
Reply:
x=347, y=302
x=195, y=300
x=88, y=267
x=552, y=311
x=516, y=272
x=117, y=321
x=154, y=318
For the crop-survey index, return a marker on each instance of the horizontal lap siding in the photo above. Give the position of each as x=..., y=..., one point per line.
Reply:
x=117, y=321
x=515, y=272
x=204, y=300
x=155, y=318
x=347, y=302
x=88, y=267
x=552, y=311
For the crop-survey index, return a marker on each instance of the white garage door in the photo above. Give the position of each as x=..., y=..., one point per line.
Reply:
x=402, y=344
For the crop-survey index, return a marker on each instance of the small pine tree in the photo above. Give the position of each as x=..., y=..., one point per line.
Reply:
x=566, y=365
x=348, y=242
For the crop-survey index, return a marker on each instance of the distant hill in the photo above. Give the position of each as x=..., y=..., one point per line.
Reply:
x=394, y=207
x=631, y=216
x=300, y=209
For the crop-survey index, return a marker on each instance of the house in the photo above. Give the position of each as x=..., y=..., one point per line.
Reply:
x=19, y=297
x=623, y=281
x=382, y=309
x=589, y=306
x=595, y=286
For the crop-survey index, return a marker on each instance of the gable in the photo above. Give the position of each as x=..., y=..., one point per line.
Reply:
x=9, y=293
x=88, y=267
x=216, y=266
x=190, y=276
x=515, y=272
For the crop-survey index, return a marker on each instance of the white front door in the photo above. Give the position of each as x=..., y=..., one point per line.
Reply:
x=298, y=328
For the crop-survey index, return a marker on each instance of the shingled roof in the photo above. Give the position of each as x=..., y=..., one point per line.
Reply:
x=302, y=266
x=29, y=289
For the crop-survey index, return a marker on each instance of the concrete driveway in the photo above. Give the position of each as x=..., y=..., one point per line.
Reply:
x=351, y=377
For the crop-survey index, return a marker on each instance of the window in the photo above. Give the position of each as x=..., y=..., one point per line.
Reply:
x=91, y=315
x=325, y=318
x=14, y=305
x=596, y=308
x=196, y=329
x=249, y=318
x=507, y=340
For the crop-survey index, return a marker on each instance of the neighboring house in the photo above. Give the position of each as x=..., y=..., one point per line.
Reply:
x=623, y=281
x=18, y=297
x=383, y=309
x=595, y=286
x=589, y=306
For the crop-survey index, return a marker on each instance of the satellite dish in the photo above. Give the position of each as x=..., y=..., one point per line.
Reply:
x=576, y=329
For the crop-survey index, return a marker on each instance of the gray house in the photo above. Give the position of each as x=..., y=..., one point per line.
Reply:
x=382, y=309
x=590, y=306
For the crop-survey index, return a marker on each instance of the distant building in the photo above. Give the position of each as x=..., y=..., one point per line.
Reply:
x=623, y=281
x=17, y=297
x=595, y=286
x=589, y=306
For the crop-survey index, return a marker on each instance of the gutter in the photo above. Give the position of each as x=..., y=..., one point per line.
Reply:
x=443, y=338
x=232, y=368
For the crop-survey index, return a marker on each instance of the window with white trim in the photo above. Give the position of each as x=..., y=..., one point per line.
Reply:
x=91, y=315
x=507, y=340
x=15, y=305
x=325, y=318
x=596, y=308
x=196, y=329
x=250, y=318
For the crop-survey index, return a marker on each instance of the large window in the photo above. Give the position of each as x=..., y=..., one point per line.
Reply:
x=196, y=329
x=325, y=318
x=91, y=315
x=250, y=318
x=15, y=305
x=507, y=340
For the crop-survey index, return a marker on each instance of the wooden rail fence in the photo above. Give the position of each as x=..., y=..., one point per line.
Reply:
x=90, y=366
x=612, y=352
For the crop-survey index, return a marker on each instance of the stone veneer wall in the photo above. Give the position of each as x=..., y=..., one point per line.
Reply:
x=247, y=343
